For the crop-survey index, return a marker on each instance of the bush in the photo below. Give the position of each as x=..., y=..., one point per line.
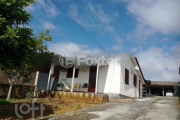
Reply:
x=175, y=94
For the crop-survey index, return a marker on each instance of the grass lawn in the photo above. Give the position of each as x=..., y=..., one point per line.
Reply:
x=52, y=107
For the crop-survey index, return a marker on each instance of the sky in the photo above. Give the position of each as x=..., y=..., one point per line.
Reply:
x=147, y=29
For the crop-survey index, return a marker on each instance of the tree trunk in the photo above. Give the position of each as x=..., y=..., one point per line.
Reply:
x=10, y=89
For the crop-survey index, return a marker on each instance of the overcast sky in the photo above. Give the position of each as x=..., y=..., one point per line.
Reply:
x=147, y=29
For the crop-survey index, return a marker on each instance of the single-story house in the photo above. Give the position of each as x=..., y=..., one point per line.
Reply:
x=120, y=77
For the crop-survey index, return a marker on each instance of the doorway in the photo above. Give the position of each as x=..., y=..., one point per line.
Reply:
x=92, y=79
x=139, y=88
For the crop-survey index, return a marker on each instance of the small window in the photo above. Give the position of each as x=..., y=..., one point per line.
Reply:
x=70, y=73
x=135, y=80
x=126, y=76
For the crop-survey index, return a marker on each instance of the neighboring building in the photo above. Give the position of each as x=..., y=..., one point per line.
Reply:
x=160, y=87
x=117, y=78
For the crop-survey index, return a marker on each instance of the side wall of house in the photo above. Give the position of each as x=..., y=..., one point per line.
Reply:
x=141, y=87
x=128, y=90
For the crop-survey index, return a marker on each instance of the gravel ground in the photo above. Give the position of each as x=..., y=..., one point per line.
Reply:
x=155, y=108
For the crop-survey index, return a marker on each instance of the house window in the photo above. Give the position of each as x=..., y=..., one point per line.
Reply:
x=135, y=80
x=70, y=73
x=126, y=76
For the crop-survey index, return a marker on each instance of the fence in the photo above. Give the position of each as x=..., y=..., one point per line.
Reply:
x=18, y=91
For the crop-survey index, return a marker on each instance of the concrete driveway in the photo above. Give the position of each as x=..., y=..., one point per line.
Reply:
x=154, y=108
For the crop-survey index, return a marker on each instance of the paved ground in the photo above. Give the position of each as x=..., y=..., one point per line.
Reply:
x=155, y=108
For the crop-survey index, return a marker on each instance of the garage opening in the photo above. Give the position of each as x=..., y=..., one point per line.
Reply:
x=168, y=88
x=156, y=90
x=160, y=90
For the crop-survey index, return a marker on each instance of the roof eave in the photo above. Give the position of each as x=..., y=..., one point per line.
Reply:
x=134, y=59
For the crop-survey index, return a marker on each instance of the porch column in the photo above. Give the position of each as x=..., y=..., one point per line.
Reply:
x=35, y=83
x=139, y=88
x=97, y=76
x=72, y=84
x=149, y=89
x=51, y=71
x=162, y=91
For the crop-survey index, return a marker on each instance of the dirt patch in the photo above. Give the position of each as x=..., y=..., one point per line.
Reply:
x=178, y=109
x=51, y=108
x=153, y=108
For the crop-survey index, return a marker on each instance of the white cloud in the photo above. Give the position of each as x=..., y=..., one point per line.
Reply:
x=106, y=20
x=53, y=12
x=30, y=8
x=41, y=2
x=116, y=48
x=75, y=16
x=73, y=48
x=158, y=65
x=156, y=16
x=48, y=25
x=48, y=7
x=118, y=39
x=94, y=17
x=110, y=29
x=176, y=50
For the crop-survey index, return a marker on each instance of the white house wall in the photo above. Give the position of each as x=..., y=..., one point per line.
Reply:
x=112, y=82
x=103, y=72
x=111, y=78
x=83, y=76
x=128, y=90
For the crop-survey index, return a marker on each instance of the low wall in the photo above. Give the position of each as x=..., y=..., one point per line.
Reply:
x=18, y=91
x=79, y=96
x=118, y=96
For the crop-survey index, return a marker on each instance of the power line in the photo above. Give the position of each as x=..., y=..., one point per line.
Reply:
x=73, y=14
x=85, y=31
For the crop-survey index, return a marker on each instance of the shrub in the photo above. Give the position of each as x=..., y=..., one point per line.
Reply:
x=175, y=94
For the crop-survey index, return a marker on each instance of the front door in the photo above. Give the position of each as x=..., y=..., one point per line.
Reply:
x=92, y=79
x=139, y=88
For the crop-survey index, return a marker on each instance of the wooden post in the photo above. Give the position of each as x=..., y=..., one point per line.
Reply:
x=9, y=92
x=35, y=83
x=162, y=91
x=51, y=71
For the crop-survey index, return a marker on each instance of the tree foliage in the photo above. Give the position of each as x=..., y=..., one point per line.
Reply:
x=19, y=47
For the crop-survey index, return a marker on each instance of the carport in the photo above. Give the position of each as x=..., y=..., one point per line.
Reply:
x=159, y=88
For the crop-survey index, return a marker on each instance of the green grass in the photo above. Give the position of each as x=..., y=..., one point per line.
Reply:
x=4, y=102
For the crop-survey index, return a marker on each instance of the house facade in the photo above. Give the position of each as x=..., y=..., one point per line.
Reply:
x=115, y=78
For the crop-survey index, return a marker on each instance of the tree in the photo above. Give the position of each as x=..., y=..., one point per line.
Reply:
x=19, y=47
